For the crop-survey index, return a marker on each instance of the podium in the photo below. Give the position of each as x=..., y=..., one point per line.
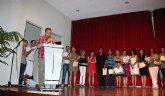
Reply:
x=53, y=63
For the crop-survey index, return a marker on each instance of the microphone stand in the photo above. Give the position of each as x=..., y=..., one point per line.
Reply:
x=12, y=52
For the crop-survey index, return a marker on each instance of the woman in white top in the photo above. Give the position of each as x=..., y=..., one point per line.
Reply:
x=134, y=66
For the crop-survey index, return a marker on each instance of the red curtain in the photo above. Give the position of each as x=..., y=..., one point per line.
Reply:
x=159, y=22
x=122, y=32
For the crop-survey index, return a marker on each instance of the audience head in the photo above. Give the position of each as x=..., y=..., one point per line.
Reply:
x=163, y=49
x=48, y=32
x=133, y=52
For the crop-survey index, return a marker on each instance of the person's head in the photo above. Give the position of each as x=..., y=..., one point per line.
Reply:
x=124, y=52
x=117, y=53
x=48, y=32
x=82, y=52
x=133, y=52
x=67, y=48
x=162, y=49
x=142, y=52
x=33, y=43
x=152, y=51
x=109, y=52
x=25, y=43
x=73, y=49
x=91, y=52
x=101, y=50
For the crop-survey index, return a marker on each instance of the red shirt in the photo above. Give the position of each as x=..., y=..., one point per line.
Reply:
x=42, y=40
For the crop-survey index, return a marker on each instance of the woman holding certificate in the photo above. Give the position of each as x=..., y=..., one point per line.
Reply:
x=153, y=67
x=118, y=67
x=73, y=67
x=142, y=67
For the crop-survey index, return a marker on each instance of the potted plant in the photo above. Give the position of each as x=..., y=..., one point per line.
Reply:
x=5, y=39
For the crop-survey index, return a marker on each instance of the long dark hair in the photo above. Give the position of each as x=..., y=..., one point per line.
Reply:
x=134, y=51
x=141, y=58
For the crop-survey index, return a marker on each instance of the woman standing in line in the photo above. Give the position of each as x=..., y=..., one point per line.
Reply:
x=91, y=69
x=82, y=67
x=143, y=69
x=126, y=67
x=118, y=67
x=134, y=66
x=73, y=67
x=109, y=63
x=153, y=67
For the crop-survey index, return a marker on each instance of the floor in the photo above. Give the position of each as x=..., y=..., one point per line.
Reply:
x=83, y=91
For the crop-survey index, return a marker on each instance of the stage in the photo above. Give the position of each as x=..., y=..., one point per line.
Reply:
x=83, y=91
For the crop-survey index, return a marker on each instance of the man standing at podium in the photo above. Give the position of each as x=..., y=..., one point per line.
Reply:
x=44, y=39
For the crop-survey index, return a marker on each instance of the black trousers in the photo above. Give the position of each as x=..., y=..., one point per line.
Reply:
x=101, y=77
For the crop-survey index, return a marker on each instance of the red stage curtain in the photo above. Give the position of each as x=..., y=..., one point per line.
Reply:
x=159, y=22
x=124, y=31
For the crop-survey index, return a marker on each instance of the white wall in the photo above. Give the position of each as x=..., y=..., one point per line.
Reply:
x=14, y=14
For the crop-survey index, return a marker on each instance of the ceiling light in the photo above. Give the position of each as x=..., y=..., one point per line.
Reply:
x=126, y=2
x=77, y=10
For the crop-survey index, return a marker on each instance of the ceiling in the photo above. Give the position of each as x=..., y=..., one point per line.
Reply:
x=82, y=9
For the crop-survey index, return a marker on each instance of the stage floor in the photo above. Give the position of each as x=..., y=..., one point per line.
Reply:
x=83, y=91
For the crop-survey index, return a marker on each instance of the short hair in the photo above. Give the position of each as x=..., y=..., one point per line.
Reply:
x=134, y=51
x=32, y=41
x=46, y=29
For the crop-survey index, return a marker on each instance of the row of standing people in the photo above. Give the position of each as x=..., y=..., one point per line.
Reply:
x=123, y=66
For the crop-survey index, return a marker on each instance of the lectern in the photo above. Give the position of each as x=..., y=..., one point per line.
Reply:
x=53, y=63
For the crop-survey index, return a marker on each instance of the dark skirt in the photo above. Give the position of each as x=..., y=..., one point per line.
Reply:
x=143, y=71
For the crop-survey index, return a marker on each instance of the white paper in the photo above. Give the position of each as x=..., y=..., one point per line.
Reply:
x=111, y=71
x=104, y=71
x=75, y=64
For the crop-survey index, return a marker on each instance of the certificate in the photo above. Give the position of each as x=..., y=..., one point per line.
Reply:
x=75, y=64
x=104, y=71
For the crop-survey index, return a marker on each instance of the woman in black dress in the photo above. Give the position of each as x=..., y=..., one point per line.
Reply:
x=143, y=69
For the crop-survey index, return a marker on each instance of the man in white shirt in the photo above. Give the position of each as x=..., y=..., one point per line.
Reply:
x=30, y=61
x=66, y=63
